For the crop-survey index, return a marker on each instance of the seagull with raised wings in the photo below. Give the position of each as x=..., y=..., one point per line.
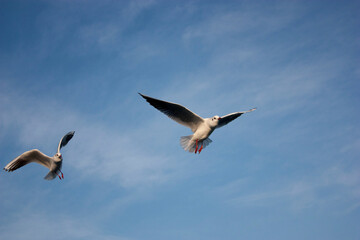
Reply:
x=53, y=163
x=201, y=127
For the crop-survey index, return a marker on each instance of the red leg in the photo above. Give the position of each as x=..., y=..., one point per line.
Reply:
x=62, y=175
x=201, y=148
x=196, y=146
x=58, y=176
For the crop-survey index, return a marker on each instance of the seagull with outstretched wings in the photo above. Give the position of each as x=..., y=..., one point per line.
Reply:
x=53, y=163
x=201, y=127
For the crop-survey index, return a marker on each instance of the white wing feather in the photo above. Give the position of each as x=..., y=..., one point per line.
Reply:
x=27, y=157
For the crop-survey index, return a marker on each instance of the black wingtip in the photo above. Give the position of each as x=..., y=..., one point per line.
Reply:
x=70, y=134
x=67, y=138
x=145, y=97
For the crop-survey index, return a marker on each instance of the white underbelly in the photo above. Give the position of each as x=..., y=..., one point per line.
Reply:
x=202, y=133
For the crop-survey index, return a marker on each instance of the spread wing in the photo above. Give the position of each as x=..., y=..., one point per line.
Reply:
x=176, y=112
x=28, y=157
x=65, y=139
x=230, y=117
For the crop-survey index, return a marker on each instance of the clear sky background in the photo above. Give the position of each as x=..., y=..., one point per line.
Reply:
x=289, y=170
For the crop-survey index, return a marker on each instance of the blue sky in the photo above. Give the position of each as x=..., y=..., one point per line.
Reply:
x=289, y=170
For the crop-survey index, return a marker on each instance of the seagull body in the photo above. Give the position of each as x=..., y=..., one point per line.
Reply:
x=52, y=163
x=201, y=127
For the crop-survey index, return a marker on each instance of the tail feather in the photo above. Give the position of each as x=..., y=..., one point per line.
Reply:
x=189, y=145
x=51, y=175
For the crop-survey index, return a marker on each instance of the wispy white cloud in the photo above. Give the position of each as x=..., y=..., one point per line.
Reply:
x=227, y=22
x=297, y=195
x=100, y=34
x=36, y=224
x=137, y=6
x=108, y=34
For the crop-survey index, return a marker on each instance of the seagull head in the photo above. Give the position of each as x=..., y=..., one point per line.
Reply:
x=215, y=118
x=214, y=121
x=58, y=156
